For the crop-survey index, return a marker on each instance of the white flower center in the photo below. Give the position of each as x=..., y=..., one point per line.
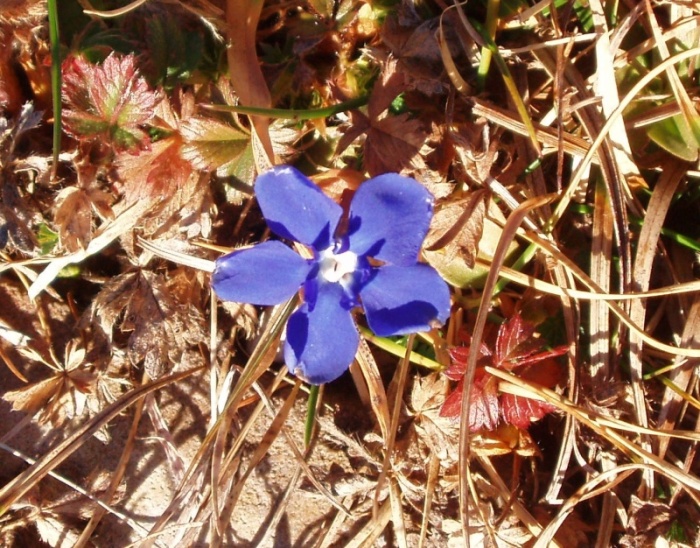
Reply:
x=335, y=267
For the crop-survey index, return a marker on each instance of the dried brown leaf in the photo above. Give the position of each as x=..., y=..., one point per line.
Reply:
x=458, y=226
x=161, y=327
x=60, y=397
x=393, y=142
x=73, y=218
x=439, y=433
x=414, y=43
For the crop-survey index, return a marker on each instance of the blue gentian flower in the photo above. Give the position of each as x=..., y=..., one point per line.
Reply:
x=369, y=259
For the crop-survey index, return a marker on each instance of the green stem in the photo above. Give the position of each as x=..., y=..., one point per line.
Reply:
x=291, y=114
x=55, y=82
x=486, y=54
x=310, y=414
x=510, y=85
x=399, y=351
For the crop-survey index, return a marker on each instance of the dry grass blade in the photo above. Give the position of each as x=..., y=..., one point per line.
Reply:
x=377, y=394
x=107, y=234
x=259, y=361
x=23, y=482
x=368, y=535
x=590, y=490
x=224, y=516
x=101, y=504
x=518, y=508
x=509, y=231
x=431, y=483
x=548, y=137
x=399, y=385
x=459, y=83
x=106, y=14
x=685, y=370
x=581, y=295
x=601, y=252
x=591, y=420
x=646, y=252
x=572, y=188
x=116, y=478
x=614, y=307
x=605, y=86
x=176, y=256
x=683, y=100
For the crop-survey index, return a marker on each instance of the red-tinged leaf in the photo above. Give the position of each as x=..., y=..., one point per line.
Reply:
x=515, y=340
x=108, y=102
x=541, y=356
x=547, y=373
x=517, y=346
x=520, y=411
x=483, y=402
x=453, y=402
x=460, y=355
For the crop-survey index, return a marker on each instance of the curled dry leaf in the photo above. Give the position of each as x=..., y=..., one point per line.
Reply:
x=457, y=228
x=60, y=397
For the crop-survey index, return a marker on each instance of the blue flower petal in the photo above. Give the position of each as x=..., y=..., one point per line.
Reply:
x=404, y=299
x=266, y=274
x=321, y=343
x=389, y=219
x=297, y=209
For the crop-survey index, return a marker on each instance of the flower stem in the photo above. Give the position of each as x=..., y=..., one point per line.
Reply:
x=398, y=350
x=310, y=414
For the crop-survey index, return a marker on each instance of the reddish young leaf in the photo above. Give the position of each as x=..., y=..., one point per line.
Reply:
x=520, y=412
x=109, y=102
x=516, y=348
x=483, y=405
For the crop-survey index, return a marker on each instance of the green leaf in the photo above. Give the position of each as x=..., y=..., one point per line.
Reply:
x=47, y=238
x=213, y=145
x=674, y=136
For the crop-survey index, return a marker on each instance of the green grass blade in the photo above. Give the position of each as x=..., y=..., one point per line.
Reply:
x=54, y=36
